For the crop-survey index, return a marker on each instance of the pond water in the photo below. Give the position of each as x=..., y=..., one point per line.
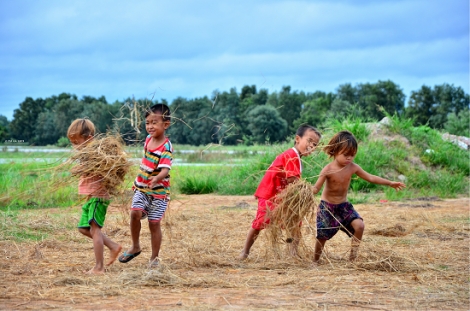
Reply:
x=176, y=162
x=7, y=148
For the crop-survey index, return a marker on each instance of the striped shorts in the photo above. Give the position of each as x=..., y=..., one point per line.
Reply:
x=151, y=207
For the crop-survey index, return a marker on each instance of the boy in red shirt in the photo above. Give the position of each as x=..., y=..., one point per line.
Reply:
x=285, y=169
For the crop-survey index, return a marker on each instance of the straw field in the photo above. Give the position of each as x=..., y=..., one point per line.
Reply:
x=414, y=256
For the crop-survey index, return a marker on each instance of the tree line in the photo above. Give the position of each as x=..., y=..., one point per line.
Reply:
x=247, y=116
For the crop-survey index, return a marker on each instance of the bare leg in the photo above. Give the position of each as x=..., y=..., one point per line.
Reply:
x=155, y=239
x=98, y=248
x=358, y=226
x=250, y=239
x=135, y=225
x=114, y=248
x=319, y=245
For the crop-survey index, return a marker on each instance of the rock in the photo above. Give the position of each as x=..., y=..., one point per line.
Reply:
x=461, y=141
x=385, y=121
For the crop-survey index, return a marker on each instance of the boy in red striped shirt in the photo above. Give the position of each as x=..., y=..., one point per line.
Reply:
x=152, y=184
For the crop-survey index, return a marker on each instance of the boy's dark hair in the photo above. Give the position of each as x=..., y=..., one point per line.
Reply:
x=304, y=128
x=162, y=109
x=342, y=142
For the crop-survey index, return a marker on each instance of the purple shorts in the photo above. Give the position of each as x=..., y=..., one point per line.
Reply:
x=334, y=217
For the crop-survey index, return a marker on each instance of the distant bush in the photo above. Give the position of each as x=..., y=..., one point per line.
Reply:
x=459, y=124
x=63, y=142
x=197, y=185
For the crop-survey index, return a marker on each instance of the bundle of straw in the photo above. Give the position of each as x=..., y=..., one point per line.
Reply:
x=104, y=157
x=295, y=204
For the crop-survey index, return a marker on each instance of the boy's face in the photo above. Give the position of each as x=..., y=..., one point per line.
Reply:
x=345, y=157
x=155, y=125
x=307, y=143
x=79, y=141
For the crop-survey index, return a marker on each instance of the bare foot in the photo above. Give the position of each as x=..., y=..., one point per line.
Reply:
x=113, y=255
x=353, y=255
x=154, y=263
x=243, y=256
x=94, y=272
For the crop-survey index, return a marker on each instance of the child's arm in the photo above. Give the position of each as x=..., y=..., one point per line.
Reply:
x=378, y=180
x=320, y=181
x=154, y=180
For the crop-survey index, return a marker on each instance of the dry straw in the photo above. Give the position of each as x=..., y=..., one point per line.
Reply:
x=295, y=205
x=105, y=157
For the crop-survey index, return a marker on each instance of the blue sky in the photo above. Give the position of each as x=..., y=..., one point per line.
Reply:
x=165, y=49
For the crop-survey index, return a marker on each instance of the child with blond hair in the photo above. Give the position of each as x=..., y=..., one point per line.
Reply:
x=334, y=211
x=80, y=133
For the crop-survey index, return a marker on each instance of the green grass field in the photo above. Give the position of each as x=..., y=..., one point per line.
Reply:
x=430, y=166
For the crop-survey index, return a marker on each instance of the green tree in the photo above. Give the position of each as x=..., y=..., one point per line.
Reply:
x=4, y=132
x=260, y=98
x=433, y=106
x=447, y=99
x=228, y=116
x=458, y=124
x=313, y=112
x=383, y=95
x=373, y=99
x=99, y=113
x=420, y=105
x=266, y=124
x=247, y=91
x=193, y=121
x=288, y=104
x=347, y=92
x=23, y=125
x=46, y=129
x=341, y=109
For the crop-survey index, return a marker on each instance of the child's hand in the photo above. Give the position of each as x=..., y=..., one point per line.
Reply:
x=153, y=181
x=397, y=185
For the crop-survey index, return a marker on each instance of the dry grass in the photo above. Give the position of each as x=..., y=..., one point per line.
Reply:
x=295, y=205
x=424, y=269
x=105, y=157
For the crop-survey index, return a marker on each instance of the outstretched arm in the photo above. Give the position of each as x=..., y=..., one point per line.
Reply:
x=378, y=180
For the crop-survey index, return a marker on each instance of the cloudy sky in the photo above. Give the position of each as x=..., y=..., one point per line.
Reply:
x=165, y=49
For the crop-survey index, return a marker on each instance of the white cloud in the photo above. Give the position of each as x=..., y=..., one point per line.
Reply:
x=188, y=48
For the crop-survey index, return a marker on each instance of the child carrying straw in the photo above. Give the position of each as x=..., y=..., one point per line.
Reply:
x=334, y=211
x=285, y=169
x=152, y=184
x=80, y=133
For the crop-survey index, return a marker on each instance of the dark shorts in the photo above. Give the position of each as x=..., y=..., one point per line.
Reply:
x=334, y=217
x=93, y=210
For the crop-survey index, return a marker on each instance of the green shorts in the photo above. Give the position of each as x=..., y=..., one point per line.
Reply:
x=93, y=210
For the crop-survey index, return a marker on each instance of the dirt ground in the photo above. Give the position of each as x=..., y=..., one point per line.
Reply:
x=414, y=256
